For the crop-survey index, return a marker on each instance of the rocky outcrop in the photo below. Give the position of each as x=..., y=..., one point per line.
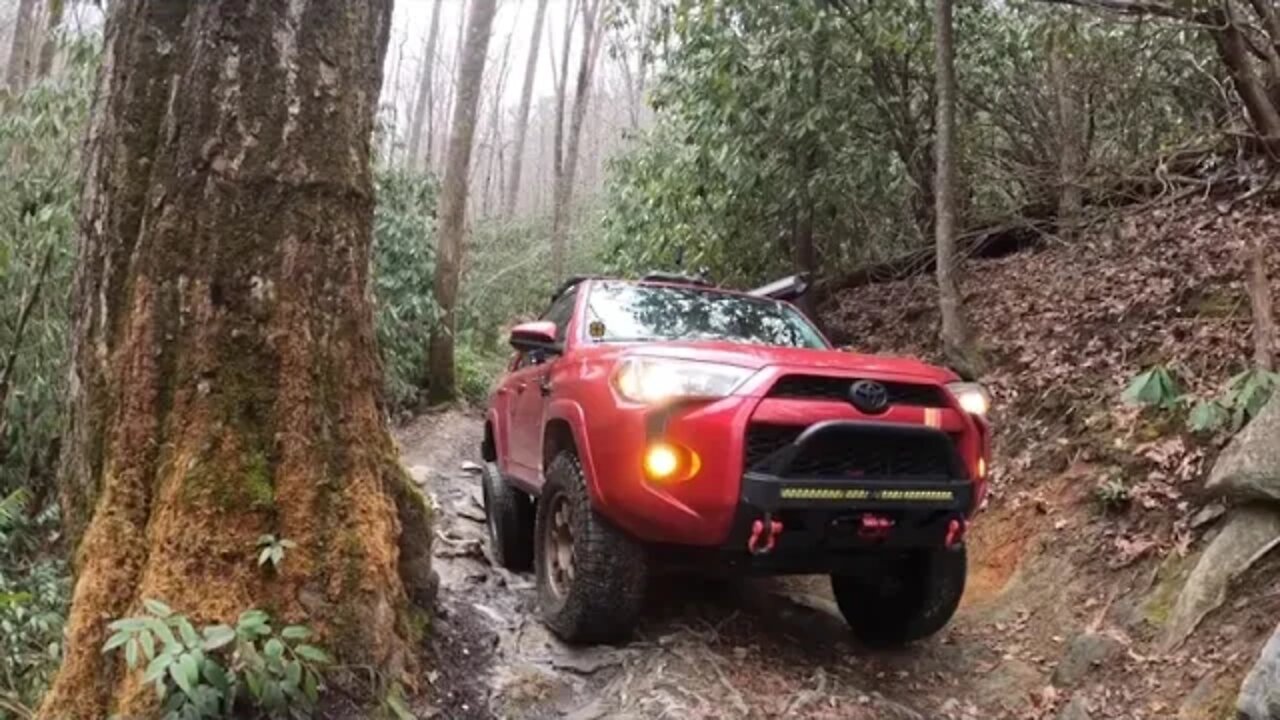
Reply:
x=1249, y=468
x=1260, y=694
x=1250, y=532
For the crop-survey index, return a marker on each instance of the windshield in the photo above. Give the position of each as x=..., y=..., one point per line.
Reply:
x=625, y=312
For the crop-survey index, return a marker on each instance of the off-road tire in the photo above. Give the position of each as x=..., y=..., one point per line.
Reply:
x=910, y=597
x=602, y=601
x=510, y=515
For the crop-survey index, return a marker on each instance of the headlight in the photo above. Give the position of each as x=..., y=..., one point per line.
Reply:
x=973, y=398
x=654, y=380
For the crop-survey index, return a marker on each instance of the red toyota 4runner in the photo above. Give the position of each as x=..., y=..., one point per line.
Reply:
x=663, y=423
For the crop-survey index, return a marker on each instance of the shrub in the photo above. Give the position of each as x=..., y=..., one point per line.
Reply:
x=204, y=674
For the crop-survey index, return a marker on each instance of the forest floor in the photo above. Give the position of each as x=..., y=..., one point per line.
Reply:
x=750, y=649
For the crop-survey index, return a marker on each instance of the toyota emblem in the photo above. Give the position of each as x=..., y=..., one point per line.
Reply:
x=869, y=397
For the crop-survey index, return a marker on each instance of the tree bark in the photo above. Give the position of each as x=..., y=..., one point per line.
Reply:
x=562, y=197
x=1259, y=288
x=522, y=117
x=49, y=48
x=225, y=376
x=957, y=344
x=422, y=106
x=19, y=69
x=1071, y=139
x=442, y=385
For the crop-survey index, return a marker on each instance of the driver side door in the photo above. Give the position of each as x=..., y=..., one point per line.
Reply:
x=529, y=396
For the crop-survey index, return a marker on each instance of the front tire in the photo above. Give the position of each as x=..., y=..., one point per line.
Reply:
x=591, y=577
x=906, y=598
x=509, y=515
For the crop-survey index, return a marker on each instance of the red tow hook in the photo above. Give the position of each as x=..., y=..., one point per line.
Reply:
x=955, y=532
x=770, y=529
x=875, y=527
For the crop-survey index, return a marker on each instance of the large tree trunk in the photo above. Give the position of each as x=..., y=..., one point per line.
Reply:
x=418, y=124
x=442, y=385
x=562, y=198
x=956, y=341
x=522, y=117
x=225, y=381
x=19, y=69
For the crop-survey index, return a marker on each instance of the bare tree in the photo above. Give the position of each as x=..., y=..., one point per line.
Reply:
x=629, y=46
x=419, y=122
x=1071, y=133
x=49, y=45
x=522, y=115
x=492, y=193
x=566, y=165
x=20, y=51
x=1247, y=36
x=453, y=201
x=225, y=373
x=957, y=342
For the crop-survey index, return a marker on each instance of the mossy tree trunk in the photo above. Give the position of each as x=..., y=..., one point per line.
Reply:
x=226, y=382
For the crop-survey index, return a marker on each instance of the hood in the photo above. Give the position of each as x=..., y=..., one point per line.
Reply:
x=796, y=359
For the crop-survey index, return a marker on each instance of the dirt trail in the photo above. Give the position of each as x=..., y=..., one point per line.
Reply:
x=754, y=649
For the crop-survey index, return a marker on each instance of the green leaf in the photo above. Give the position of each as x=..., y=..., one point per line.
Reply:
x=295, y=632
x=293, y=672
x=312, y=653
x=157, y=667
x=129, y=624
x=148, y=644
x=163, y=632
x=266, y=540
x=216, y=676
x=179, y=674
x=216, y=636
x=157, y=608
x=115, y=641
x=1207, y=416
x=1155, y=387
x=273, y=649
x=264, y=556
x=188, y=633
x=131, y=653
x=310, y=687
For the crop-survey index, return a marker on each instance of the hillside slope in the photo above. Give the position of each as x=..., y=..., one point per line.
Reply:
x=1097, y=511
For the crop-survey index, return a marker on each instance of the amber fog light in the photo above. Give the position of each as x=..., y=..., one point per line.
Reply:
x=668, y=463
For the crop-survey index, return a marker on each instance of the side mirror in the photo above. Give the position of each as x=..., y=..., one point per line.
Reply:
x=539, y=335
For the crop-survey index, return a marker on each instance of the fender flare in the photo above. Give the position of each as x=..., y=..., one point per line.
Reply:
x=499, y=437
x=572, y=414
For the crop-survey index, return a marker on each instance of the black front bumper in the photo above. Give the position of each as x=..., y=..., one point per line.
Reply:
x=832, y=524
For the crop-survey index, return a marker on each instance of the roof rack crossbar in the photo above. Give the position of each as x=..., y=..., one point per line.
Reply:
x=677, y=278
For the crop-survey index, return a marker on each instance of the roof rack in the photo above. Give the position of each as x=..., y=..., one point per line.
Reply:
x=677, y=278
x=572, y=282
x=788, y=288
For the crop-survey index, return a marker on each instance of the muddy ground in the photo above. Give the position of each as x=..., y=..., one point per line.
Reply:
x=749, y=649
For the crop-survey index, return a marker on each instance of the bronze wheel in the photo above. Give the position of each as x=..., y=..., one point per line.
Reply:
x=590, y=576
x=560, y=554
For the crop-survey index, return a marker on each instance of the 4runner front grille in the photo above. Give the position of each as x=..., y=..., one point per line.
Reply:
x=870, y=455
x=819, y=387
